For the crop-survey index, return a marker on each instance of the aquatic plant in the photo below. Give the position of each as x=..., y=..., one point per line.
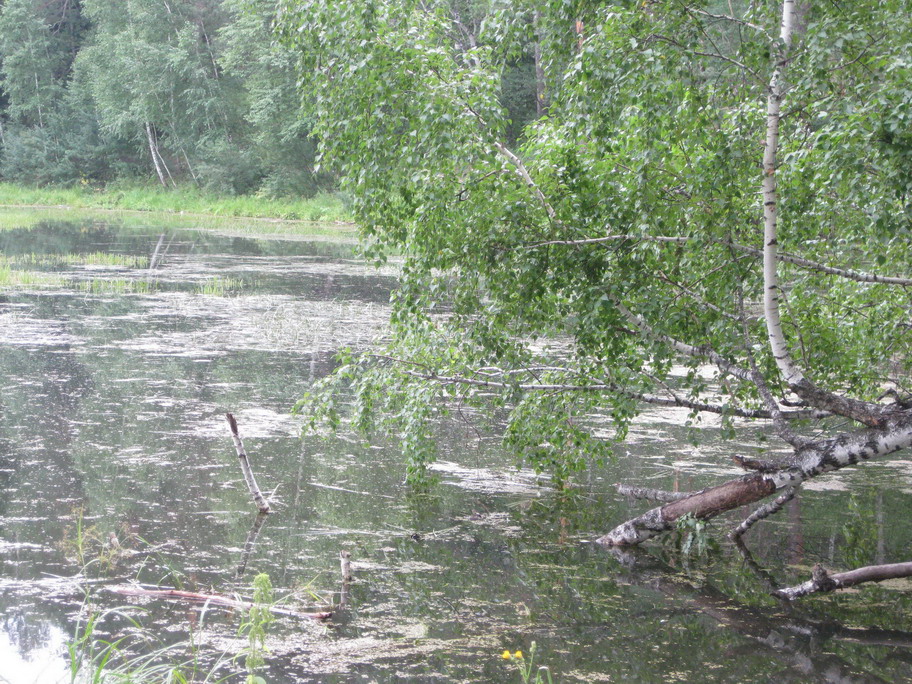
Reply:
x=89, y=546
x=86, y=259
x=10, y=277
x=255, y=626
x=220, y=286
x=115, y=286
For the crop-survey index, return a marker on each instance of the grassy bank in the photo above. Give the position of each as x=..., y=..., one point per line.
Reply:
x=187, y=200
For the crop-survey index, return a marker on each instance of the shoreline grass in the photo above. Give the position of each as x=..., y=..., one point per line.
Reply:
x=323, y=208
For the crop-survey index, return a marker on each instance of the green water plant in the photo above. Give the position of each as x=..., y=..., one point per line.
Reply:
x=16, y=278
x=255, y=627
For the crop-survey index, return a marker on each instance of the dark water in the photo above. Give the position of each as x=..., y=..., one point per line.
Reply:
x=111, y=418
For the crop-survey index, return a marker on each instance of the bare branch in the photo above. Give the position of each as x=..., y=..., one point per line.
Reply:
x=764, y=511
x=728, y=17
x=740, y=65
x=687, y=349
x=762, y=465
x=822, y=581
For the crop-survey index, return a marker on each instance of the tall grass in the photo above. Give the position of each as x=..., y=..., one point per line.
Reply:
x=185, y=199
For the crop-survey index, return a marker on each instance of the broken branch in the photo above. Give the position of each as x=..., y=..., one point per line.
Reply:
x=821, y=581
x=258, y=497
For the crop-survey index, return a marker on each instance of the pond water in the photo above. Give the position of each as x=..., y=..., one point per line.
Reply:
x=117, y=466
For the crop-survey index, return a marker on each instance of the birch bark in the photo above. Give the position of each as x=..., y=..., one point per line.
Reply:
x=153, y=151
x=252, y=486
x=778, y=344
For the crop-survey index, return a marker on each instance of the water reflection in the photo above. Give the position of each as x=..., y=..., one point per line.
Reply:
x=111, y=418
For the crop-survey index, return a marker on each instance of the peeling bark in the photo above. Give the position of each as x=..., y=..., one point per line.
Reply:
x=821, y=581
x=815, y=459
x=650, y=494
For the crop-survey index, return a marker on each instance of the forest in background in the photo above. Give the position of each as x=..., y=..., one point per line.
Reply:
x=174, y=92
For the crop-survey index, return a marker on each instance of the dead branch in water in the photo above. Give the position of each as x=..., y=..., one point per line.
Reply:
x=258, y=497
x=226, y=601
x=821, y=581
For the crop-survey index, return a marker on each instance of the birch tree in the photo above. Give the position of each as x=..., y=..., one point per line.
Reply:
x=717, y=186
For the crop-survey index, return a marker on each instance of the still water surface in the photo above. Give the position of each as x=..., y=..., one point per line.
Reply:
x=114, y=381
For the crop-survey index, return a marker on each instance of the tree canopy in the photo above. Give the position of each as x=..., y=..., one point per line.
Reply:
x=183, y=92
x=712, y=212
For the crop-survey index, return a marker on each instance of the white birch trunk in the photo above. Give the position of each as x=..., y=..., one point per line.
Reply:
x=153, y=151
x=778, y=344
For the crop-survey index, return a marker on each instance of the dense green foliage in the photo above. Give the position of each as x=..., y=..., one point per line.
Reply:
x=183, y=91
x=177, y=91
x=652, y=144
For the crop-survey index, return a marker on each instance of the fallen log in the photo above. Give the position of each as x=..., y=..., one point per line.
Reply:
x=821, y=581
x=215, y=599
x=812, y=460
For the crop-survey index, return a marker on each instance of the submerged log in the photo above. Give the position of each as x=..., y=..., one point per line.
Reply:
x=258, y=497
x=821, y=581
x=216, y=599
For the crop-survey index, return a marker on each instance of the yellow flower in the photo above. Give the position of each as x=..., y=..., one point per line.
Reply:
x=506, y=655
x=518, y=654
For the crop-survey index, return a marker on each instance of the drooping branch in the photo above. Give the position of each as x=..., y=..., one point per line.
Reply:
x=713, y=55
x=526, y=176
x=782, y=428
x=683, y=348
x=674, y=400
x=807, y=264
x=821, y=581
x=508, y=154
x=729, y=18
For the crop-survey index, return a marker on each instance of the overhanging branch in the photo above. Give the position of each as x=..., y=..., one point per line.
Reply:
x=784, y=257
